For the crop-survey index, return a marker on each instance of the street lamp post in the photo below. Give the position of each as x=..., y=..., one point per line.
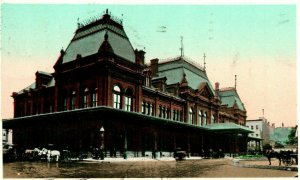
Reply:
x=102, y=143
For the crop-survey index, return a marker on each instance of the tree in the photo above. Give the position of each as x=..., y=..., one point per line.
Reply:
x=292, y=136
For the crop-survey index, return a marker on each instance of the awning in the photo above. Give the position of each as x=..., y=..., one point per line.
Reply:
x=228, y=127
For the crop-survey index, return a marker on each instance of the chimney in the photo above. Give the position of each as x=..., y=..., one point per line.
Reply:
x=273, y=125
x=154, y=67
x=217, y=86
x=139, y=57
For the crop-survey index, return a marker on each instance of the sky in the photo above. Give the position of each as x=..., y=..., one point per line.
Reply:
x=255, y=42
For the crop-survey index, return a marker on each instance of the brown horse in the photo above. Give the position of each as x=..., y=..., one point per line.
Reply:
x=273, y=154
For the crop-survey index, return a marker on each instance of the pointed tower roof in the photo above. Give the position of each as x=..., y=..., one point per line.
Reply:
x=89, y=39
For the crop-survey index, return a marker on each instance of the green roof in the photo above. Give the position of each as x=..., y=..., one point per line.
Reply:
x=230, y=97
x=88, y=40
x=174, y=70
x=227, y=127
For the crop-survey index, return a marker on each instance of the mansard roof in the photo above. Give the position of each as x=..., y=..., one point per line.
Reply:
x=174, y=70
x=89, y=38
x=230, y=97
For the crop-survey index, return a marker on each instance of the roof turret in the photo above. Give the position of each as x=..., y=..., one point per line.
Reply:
x=91, y=36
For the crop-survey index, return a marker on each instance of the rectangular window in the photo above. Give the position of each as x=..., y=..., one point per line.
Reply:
x=251, y=127
x=94, y=99
x=143, y=107
x=85, y=105
x=147, y=81
x=117, y=101
x=151, y=110
x=50, y=109
x=174, y=114
x=64, y=104
x=256, y=126
x=73, y=102
x=160, y=111
x=127, y=103
x=147, y=108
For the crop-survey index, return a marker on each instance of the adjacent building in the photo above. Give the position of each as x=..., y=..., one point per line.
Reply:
x=103, y=94
x=261, y=134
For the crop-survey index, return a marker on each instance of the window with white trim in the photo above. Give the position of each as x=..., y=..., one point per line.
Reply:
x=94, y=98
x=200, y=117
x=204, y=118
x=191, y=116
x=117, y=97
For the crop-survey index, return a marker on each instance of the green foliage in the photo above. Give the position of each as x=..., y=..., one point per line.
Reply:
x=250, y=156
x=292, y=138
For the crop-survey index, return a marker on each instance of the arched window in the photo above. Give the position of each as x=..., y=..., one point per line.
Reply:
x=200, y=118
x=128, y=100
x=117, y=97
x=212, y=119
x=85, y=98
x=147, y=108
x=94, y=98
x=204, y=118
x=191, y=116
x=73, y=100
x=143, y=107
x=64, y=103
x=151, y=109
x=164, y=112
x=160, y=111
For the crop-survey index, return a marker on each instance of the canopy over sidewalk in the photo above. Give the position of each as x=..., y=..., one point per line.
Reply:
x=228, y=127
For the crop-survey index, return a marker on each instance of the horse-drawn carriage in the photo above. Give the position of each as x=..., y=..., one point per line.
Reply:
x=288, y=158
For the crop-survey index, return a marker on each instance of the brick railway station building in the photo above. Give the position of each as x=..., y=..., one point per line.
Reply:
x=101, y=82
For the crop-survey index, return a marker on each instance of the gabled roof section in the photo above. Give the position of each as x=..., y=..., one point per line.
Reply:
x=230, y=97
x=88, y=39
x=205, y=90
x=175, y=69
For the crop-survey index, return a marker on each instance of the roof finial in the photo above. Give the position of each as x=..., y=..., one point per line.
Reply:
x=181, y=48
x=78, y=24
x=204, y=62
x=263, y=113
x=106, y=11
x=235, y=82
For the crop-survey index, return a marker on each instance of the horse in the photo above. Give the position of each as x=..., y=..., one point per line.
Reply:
x=273, y=154
x=31, y=154
x=50, y=154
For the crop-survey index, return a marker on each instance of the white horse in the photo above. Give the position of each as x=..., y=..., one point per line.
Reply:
x=54, y=154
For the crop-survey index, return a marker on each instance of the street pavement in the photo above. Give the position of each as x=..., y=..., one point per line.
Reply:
x=141, y=168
